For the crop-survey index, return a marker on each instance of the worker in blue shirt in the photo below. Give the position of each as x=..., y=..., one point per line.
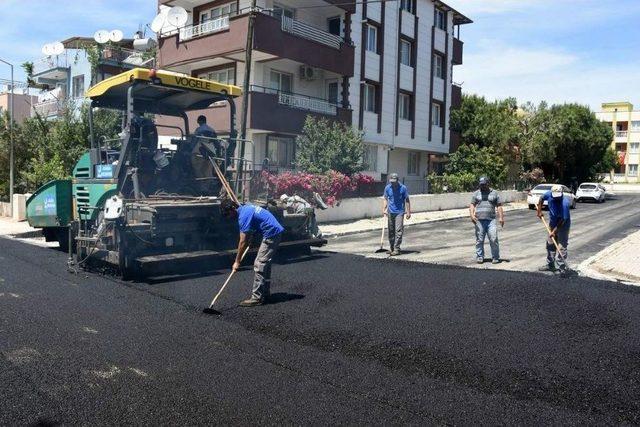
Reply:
x=395, y=198
x=560, y=223
x=254, y=219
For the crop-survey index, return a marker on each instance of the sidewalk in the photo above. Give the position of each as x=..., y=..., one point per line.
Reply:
x=620, y=261
x=343, y=228
x=9, y=227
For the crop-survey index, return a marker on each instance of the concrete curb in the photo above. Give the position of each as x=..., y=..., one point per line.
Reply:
x=588, y=268
x=330, y=235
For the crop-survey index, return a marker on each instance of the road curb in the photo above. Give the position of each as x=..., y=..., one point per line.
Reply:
x=588, y=268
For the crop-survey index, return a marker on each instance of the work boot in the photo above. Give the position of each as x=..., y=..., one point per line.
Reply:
x=251, y=302
x=495, y=261
x=548, y=267
x=395, y=252
x=480, y=260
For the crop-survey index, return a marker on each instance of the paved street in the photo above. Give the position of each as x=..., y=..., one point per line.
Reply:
x=347, y=340
x=522, y=241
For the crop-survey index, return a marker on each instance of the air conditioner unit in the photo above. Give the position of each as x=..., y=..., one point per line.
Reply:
x=309, y=73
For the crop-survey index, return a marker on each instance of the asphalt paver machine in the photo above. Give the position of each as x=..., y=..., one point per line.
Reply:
x=143, y=208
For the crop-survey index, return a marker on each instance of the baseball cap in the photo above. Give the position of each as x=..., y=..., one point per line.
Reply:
x=556, y=190
x=393, y=177
x=483, y=180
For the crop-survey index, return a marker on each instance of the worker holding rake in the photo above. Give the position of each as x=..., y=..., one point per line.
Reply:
x=254, y=219
x=558, y=228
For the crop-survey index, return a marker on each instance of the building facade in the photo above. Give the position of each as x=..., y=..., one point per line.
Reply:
x=384, y=68
x=64, y=78
x=625, y=123
x=22, y=103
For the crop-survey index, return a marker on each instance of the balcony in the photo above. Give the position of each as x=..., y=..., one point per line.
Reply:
x=456, y=57
x=49, y=108
x=273, y=38
x=456, y=96
x=621, y=135
x=286, y=112
x=51, y=68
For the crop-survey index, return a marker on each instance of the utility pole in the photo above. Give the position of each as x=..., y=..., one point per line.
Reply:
x=245, y=90
x=11, y=172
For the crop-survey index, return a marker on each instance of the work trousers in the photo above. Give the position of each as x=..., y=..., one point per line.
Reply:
x=487, y=228
x=562, y=237
x=262, y=267
x=396, y=228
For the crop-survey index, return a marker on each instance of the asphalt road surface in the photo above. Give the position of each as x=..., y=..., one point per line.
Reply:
x=347, y=340
x=522, y=240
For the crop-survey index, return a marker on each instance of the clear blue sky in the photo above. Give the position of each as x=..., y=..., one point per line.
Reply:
x=557, y=50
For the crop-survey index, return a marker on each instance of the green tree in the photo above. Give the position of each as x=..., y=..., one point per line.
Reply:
x=478, y=161
x=325, y=146
x=565, y=141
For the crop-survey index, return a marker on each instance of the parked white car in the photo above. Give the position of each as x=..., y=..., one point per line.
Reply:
x=591, y=191
x=539, y=190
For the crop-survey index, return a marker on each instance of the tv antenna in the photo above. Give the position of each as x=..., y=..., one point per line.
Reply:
x=177, y=16
x=116, y=36
x=101, y=36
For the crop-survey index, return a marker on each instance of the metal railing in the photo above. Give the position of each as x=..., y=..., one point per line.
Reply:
x=621, y=134
x=207, y=27
x=48, y=108
x=123, y=55
x=309, y=32
x=299, y=101
x=50, y=62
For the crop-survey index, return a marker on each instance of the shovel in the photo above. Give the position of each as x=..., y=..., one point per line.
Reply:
x=555, y=243
x=384, y=225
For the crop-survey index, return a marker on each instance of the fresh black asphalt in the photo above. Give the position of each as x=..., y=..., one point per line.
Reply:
x=348, y=340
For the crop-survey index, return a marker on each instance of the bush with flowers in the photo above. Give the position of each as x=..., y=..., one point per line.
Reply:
x=332, y=186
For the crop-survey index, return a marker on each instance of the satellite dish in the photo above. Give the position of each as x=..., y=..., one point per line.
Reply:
x=158, y=22
x=116, y=35
x=47, y=49
x=177, y=16
x=57, y=48
x=101, y=36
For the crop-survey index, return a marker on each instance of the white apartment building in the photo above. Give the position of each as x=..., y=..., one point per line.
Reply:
x=625, y=123
x=383, y=68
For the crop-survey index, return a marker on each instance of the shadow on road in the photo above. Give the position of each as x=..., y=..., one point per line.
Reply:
x=279, y=297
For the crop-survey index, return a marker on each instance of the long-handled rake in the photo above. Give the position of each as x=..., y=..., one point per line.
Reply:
x=555, y=243
x=210, y=309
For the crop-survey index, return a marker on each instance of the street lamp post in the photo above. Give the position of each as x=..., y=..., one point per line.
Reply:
x=10, y=137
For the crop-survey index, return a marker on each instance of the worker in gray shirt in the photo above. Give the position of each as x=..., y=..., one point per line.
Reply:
x=484, y=204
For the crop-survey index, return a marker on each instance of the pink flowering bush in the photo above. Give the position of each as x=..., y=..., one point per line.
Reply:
x=332, y=186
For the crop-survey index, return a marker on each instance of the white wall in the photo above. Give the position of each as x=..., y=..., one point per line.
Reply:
x=371, y=207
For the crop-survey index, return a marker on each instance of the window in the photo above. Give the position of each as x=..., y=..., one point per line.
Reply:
x=405, y=52
x=281, y=81
x=413, y=168
x=635, y=125
x=226, y=76
x=634, y=147
x=633, y=170
x=438, y=66
x=436, y=115
x=406, y=5
x=281, y=151
x=370, y=98
x=371, y=39
x=280, y=11
x=332, y=92
x=370, y=157
x=78, y=86
x=441, y=20
x=404, y=106
x=218, y=12
x=334, y=25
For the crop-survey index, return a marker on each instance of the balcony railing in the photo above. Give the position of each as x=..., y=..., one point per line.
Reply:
x=207, y=27
x=310, y=32
x=48, y=108
x=300, y=102
x=126, y=56
x=621, y=134
x=50, y=62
